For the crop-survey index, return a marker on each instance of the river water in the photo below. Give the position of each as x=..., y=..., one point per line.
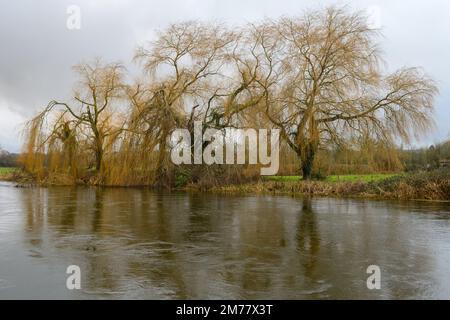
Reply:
x=141, y=244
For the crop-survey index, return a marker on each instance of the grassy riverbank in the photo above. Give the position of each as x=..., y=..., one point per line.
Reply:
x=425, y=185
x=432, y=185
x=6, y=170
x=8, y=173
x=337, y=178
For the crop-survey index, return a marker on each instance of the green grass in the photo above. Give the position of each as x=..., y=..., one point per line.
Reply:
x=361, y=177
x=6, y=170
x=338, y=178
x=282, y=178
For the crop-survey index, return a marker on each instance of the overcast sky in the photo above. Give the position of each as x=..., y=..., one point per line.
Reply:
x=37, y=50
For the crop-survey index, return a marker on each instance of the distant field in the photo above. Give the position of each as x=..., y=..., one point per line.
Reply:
x=6, y=170
x=336, y=178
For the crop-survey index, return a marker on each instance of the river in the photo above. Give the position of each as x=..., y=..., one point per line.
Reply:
x=140, y=244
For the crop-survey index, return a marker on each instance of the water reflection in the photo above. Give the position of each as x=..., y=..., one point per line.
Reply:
x=135, y=243
x=308, y=238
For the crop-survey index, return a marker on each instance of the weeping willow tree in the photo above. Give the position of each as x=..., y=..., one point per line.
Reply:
x=193, y=72
x=332, y=88
x=72, y=139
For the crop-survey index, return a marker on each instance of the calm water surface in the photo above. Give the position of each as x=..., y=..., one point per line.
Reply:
x=134, y=243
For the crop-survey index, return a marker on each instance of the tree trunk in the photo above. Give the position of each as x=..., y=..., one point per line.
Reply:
x=161, y=172
x=307, y=160
x=98, y=160
x=98, y=148
x=98, y=153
